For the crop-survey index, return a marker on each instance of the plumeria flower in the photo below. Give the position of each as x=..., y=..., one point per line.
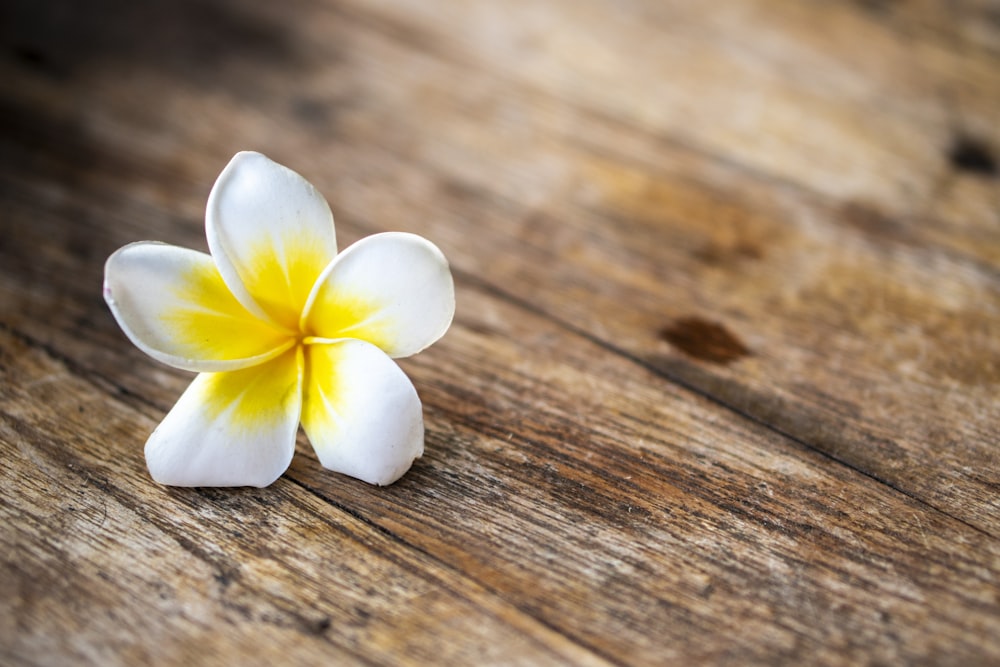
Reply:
x=282, y=329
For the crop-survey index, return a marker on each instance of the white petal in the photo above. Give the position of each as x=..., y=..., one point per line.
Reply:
x=393, y=290
x=172, y=303
x=231, y=429
x=361, y=412
x=271, y=234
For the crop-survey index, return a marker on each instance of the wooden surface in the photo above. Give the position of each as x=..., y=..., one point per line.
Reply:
x=723, y=381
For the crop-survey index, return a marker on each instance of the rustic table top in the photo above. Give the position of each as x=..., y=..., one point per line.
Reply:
x=723, y=380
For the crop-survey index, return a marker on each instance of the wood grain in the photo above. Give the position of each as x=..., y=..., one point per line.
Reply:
x=722, y=385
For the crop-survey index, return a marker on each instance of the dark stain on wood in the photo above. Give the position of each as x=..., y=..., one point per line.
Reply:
x=877, y=7
x=310, y=110
x=970, y=154
x=321, y=625
x=226, y=576
x=869, y=220
x=704, y=340
x=31, y=57
x=719, y=253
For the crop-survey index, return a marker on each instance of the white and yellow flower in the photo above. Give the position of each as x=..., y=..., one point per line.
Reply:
x=281, y=329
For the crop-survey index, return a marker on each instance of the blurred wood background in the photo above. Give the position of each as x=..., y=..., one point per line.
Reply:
x=723, y=382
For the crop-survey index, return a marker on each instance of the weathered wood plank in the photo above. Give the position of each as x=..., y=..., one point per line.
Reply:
x=100, y=566
x=638, y=198
x=847, y=100
x=873, y=339
x=610, y=506
x=607, y=504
